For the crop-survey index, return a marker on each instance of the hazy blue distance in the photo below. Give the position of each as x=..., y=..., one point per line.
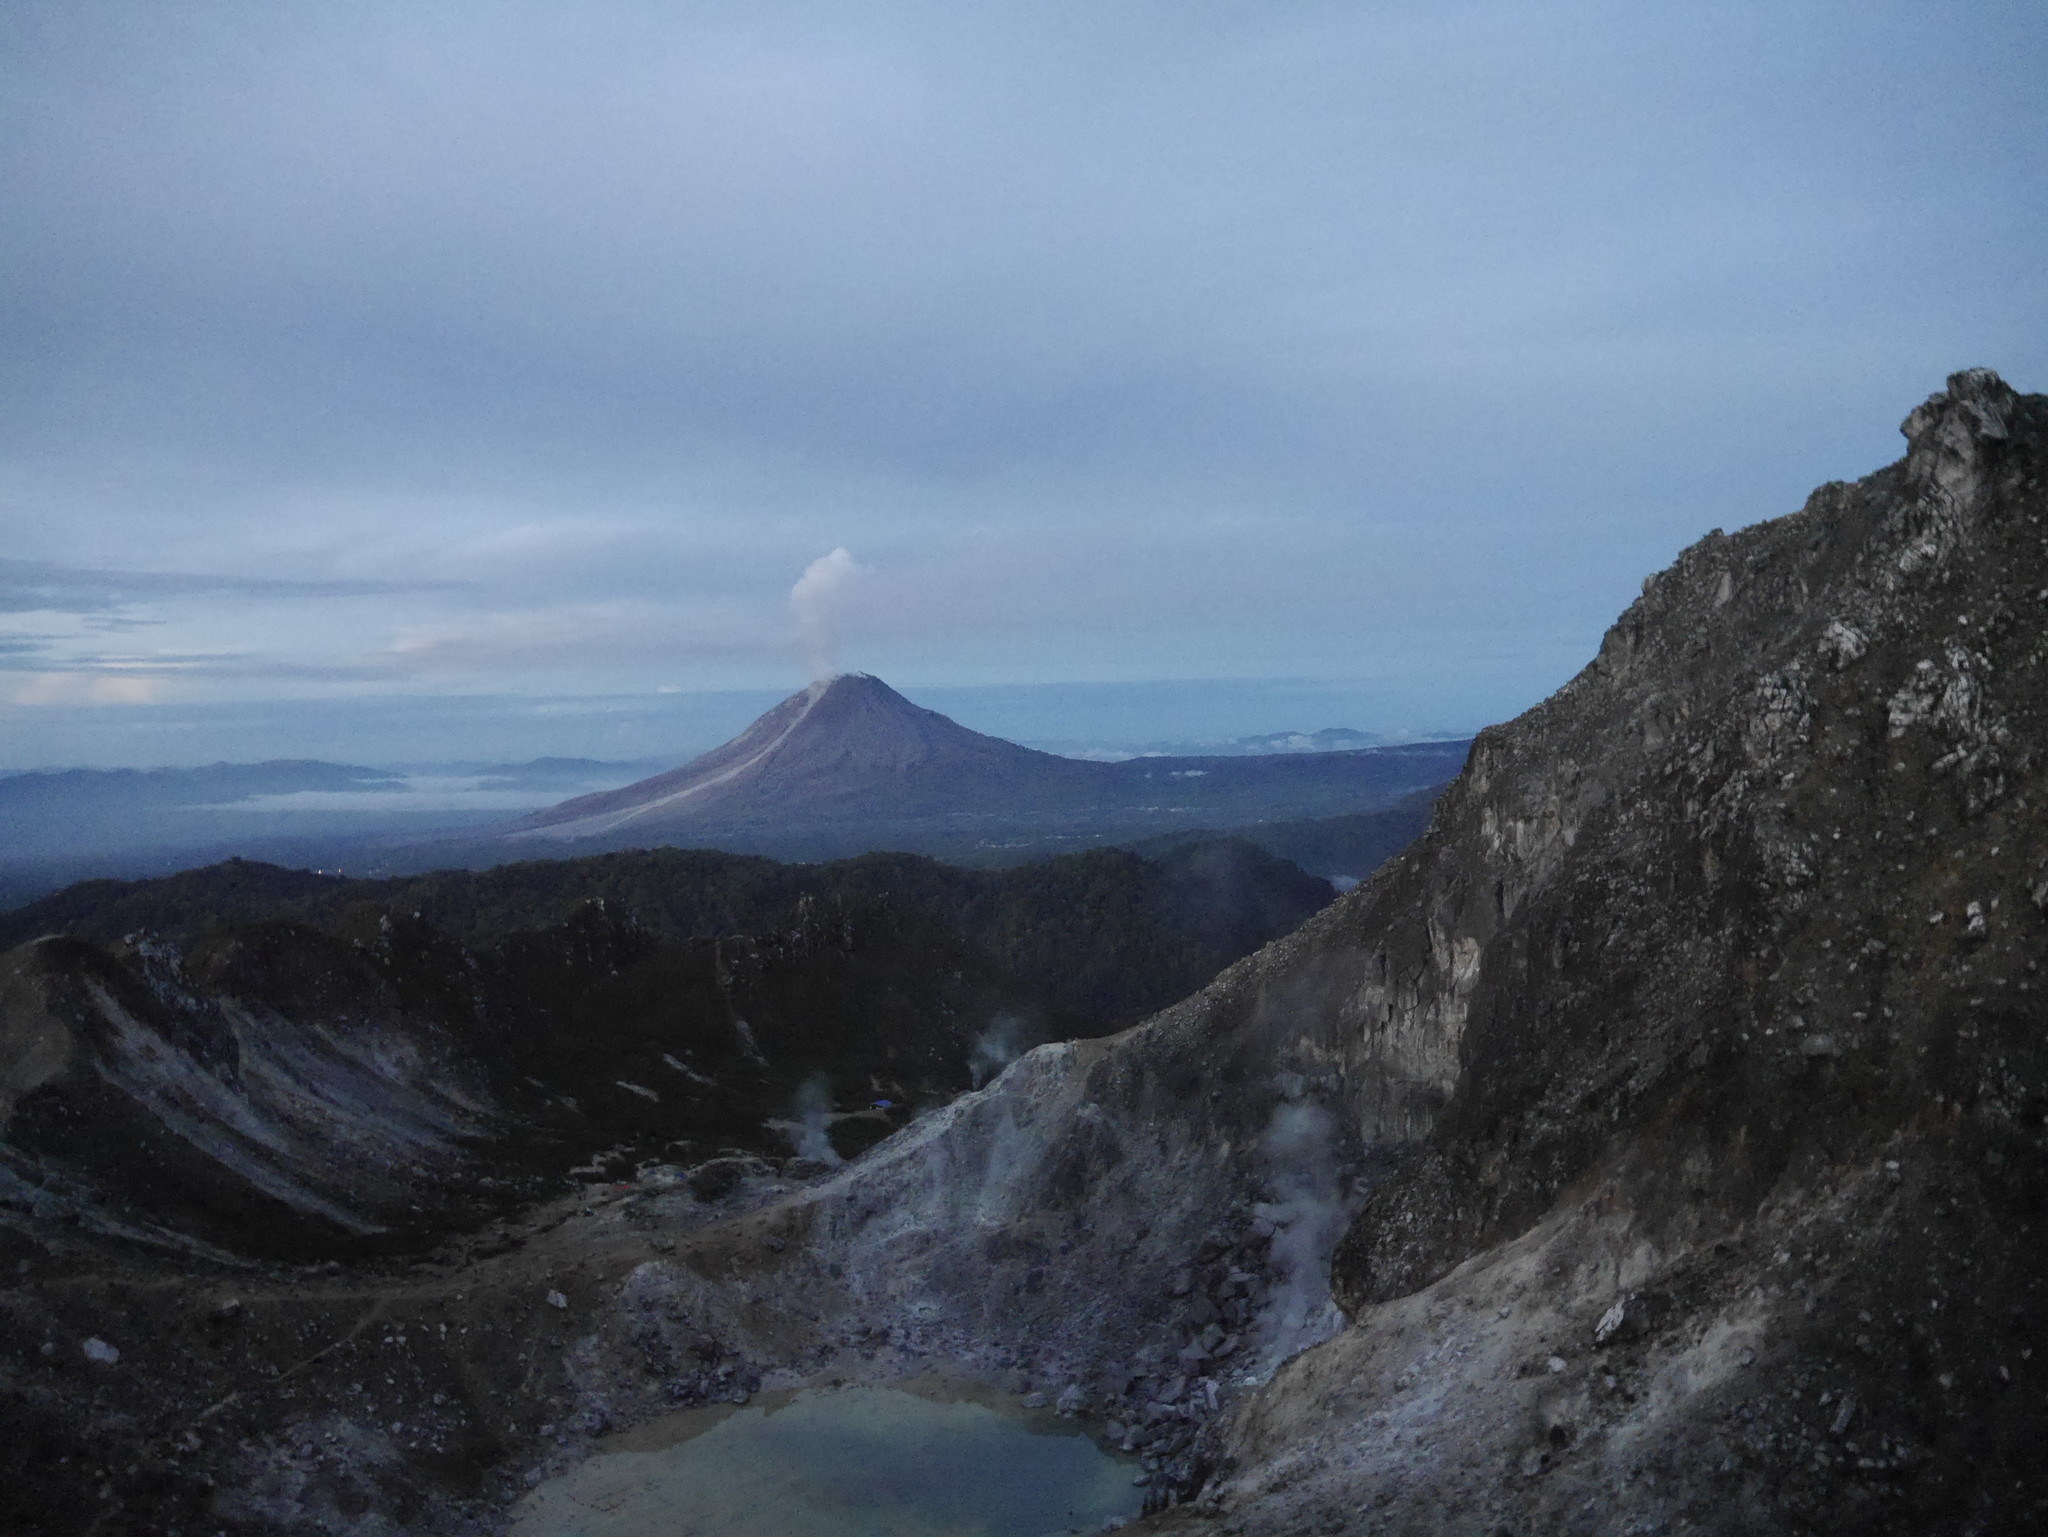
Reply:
x=514, y=360
x=440, y=730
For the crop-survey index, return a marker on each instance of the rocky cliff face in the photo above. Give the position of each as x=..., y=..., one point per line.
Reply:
x=1743, y=1160
x=190, y=1109
x=1763, y=874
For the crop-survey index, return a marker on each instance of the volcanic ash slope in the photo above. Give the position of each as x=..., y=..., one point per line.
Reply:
x=1679, y=1098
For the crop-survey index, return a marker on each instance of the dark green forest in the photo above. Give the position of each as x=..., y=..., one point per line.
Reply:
x=1102, y=938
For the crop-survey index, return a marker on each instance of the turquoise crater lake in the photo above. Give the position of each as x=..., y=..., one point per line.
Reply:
x=840, y=1462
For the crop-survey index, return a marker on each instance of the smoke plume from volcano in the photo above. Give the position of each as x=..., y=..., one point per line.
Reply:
x=818, y=602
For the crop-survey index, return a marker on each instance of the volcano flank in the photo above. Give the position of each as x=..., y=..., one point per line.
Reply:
x=849, y=746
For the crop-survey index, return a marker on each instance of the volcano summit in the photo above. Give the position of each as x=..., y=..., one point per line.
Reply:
x=845, y=746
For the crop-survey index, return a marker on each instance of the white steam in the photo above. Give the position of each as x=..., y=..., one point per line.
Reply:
x=810, y=1128
x=1308, y=1216
x=995, y=1048
x=818, y=602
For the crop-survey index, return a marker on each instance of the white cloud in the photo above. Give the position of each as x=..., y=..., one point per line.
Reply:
x=44, y=689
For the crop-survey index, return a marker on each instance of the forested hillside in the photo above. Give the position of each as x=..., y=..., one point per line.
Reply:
x=1105, y=936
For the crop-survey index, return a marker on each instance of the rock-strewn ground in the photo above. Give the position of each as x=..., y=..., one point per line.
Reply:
x=1678, y=1100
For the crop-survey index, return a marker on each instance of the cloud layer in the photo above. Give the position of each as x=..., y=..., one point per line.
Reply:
x=529, y=348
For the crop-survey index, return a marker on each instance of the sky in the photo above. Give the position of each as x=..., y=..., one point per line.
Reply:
x=416, y=380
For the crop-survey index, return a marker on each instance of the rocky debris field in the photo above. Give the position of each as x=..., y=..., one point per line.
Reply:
x=277, y=1091
x=1660, y=1144
x=326, y=1396
x=431, y=1393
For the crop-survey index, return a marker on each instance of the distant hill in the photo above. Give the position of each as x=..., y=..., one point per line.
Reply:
x=1101, y=937
x=1343, y=849
x=1329, y=739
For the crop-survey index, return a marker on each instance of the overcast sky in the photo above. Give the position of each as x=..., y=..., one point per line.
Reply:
x=537, y=352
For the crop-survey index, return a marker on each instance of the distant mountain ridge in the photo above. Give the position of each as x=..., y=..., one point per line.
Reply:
x=1329, y=739
x=850, y=763
x=839, y=769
